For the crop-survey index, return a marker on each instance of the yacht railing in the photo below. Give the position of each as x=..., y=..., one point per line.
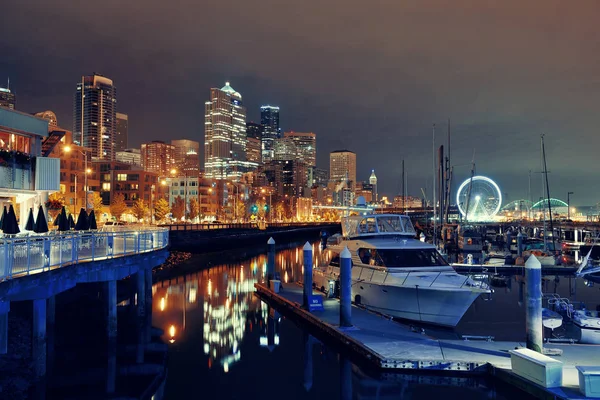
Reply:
x=473, y=283
x=25, y=255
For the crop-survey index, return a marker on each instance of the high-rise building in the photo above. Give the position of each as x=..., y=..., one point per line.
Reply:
x=254, y=130
x=94, y=116
x=373, y=183
x=306, y=146
x=7, y=98
x=254, y=150
x=122, y=136
x=187, y=157
x=288, y=177
x=342, y=166
x=285, y=149
x=317, y=176
x=158, y=157
x=225, y=135
x=269, y=119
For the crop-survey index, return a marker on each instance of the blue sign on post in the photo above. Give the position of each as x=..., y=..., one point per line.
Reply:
x=315, y=303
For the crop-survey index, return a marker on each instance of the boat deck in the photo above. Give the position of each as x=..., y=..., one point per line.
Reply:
x=511, y=269
x=385, y=344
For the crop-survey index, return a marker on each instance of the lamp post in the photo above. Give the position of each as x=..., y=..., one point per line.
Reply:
x=569, y=204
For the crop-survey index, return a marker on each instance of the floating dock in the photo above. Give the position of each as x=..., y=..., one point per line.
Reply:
x=387, y=345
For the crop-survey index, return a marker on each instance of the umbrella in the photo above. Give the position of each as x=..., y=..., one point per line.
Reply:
x=57, y=219
x=82, y=221
x=3, y=217
x=63, y=221
x=71, y=222
x=30, y=222
x=41, y=225
x=92, y=220
x=10, y=225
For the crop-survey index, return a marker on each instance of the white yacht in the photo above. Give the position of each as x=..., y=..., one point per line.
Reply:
x=397, y=275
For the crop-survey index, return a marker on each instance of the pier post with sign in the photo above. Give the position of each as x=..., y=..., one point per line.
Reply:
x=345, y=288
x=308, y=262
x=533, y=300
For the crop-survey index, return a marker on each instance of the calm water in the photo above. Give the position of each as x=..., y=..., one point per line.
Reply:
x=225, y=342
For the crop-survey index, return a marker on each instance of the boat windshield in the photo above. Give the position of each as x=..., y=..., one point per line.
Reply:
x=402, y=258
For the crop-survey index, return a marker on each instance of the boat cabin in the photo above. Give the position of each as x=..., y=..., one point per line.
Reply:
x=377, y=225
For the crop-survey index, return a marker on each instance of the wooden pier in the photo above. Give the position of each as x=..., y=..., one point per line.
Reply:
x=378, y=342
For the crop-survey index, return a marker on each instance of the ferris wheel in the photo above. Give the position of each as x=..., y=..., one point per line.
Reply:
x=480, y=197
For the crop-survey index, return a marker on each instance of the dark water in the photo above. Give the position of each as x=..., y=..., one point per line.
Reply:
x=225, y=343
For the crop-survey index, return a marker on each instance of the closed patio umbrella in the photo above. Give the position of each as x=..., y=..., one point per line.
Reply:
x=71, y=222
x=92, y=220
x=30, y=221
x=63, y=221
x=83, y=223
x=3, y=217
x=41, y=225
x=10, y=226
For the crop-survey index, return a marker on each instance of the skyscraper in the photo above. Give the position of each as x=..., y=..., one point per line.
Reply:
x=187, y=157
x=122, y=136
x=94, y=116
x=7, y=98
x=253, y=150
x=269, y=119
x=306, y=146
x=225, y=134
x=373, y=183
x=342, y=166
x=158, y=157
x=285, y=149
x=254, y=130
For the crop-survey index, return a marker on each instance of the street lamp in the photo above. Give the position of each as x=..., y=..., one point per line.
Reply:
x=86, y=170
x=569, y=204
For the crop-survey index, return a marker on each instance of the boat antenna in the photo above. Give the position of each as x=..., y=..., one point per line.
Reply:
x=470, y=187
x=434, y=200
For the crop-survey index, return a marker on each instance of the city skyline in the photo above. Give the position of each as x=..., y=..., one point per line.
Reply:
x=378, y=97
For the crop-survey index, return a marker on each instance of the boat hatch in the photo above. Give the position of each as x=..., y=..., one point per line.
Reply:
x=371, y=225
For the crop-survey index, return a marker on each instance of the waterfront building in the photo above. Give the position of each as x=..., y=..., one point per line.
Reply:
x=342, y=166
x=94, y=116
x=158, y=157
x=305, y=145
x=27, y=175
x=185, y=187
x=207, y=198
x=365, y=190
x=303, y=209
x=132, y=182
x=225, y=135
x=7, y=98
x=407, y=202
x=187, y=157
x=269, y=119
x=122, y=133
x=130, y=156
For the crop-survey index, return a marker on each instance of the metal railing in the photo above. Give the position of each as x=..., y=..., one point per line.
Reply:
x=245, y=225
x=24, y=255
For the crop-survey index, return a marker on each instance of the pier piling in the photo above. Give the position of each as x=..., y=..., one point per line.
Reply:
x=4, y=309
x=308, y=256
x=308, y=362
x=39, y=337
x=111, y=294
x=533, y=312
x=148, y=294
x=270, y=261
x=346, y=288
x=519, y=244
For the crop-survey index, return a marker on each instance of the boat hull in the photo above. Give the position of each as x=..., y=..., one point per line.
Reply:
x=590, y=336
x=438, y=306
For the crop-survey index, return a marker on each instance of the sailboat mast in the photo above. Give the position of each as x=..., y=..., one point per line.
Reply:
x=434, y=199
x=547, y=193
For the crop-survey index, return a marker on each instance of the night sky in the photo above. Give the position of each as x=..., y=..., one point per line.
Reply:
x=369, y=76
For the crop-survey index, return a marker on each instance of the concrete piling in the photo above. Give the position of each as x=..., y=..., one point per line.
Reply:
x=533, y=312
x=39, y=337
x=4, y=309
x=345, y=378
x=270, y=261
x=141, y=314
x=345, y=288
x=308, y=363
x=148, y=325
x=111, y=294
x=308, y=257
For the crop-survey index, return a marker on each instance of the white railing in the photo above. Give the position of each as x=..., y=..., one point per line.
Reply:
x=24, y=255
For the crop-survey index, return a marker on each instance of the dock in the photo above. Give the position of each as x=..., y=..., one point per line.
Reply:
x=379, y=342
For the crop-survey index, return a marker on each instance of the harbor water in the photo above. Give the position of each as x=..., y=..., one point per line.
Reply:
x=224, y=341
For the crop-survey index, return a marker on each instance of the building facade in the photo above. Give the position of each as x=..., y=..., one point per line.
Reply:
x=187, y=157
x=254, y=130
x=269, y=119
x=115, y=177
x=254, y=150
x=7, y=98
x=306, y=146
x=225, y=135
x=94, y=116
x=122, y=133
x=342, y=166
x=158, y=157
x=373, y=183
x=130, y=156
x=317, y=176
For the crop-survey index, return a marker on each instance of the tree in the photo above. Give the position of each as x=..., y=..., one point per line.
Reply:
x=279, y=210
x=178, y=208
x=161, y=209
x=261, y=208
x=118, y=206
x=194, y=208
x=96, y=201
x=139, y=209
x=240, y=210
x=54, y=204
